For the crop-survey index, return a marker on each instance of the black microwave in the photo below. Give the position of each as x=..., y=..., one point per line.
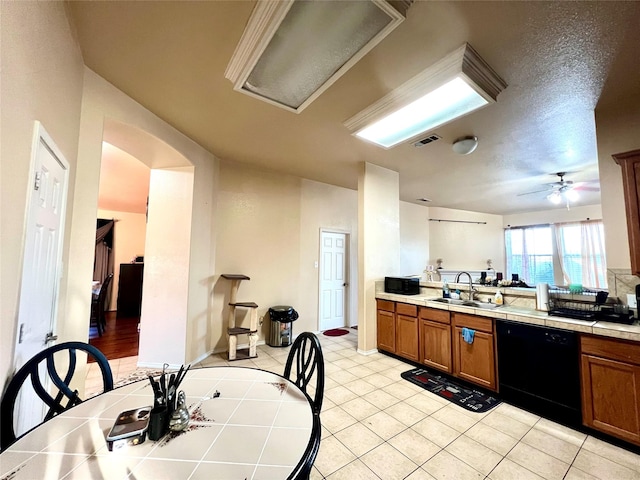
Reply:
x=402, y=285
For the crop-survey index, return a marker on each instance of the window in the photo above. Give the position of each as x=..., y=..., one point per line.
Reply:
x=530, y=253
x=558, y=254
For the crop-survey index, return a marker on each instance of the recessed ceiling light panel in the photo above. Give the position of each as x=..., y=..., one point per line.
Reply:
x=292, y=50
x=454, y=86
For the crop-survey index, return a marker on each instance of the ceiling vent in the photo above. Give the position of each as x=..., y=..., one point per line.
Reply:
x=429, y=139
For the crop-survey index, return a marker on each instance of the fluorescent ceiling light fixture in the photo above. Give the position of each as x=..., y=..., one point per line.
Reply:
x=293, y=50
x=457, y=85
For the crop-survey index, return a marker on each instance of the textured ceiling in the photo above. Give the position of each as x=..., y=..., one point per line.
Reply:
x=556, y=58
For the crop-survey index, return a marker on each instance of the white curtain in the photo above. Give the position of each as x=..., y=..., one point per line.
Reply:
x=580, y=247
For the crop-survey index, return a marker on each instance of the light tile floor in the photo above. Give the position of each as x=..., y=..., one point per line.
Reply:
x=376, y=425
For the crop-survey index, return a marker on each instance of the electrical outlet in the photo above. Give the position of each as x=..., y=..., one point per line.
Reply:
x=315, y=264
x=631, y=300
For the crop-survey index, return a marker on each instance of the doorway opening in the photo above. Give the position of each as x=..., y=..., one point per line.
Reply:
x=120, y=243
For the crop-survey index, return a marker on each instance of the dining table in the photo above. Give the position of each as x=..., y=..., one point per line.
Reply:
x=244, y=423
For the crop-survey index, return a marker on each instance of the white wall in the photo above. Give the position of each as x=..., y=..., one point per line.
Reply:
x=40, y=79
x=465, y=246
x=617, y=132
x=165, y=292
x=109, y=114
x=128, y=242
x=324, y=206
x=269, y=229
x=556, y=215
x=414, y=239
x=378, y=244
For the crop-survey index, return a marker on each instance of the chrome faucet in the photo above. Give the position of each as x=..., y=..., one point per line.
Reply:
x=472, y=291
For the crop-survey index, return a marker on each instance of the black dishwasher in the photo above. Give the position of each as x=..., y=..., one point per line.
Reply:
x=539, y=370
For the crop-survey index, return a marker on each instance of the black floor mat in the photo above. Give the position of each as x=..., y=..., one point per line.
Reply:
x=440, y=385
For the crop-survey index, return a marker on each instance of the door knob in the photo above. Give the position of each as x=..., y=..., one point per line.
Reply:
x=50, y=337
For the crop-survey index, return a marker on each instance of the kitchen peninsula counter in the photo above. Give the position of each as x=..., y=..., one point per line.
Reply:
x=524, y=315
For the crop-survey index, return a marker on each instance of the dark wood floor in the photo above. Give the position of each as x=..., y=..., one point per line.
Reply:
x=120, y=339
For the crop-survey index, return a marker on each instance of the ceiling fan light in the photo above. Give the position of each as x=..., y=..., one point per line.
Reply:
x=555, y=198
x=571, y=195
x=465, y=145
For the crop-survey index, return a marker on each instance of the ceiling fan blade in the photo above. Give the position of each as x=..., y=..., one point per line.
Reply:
x=537, y=191
x=587, y=189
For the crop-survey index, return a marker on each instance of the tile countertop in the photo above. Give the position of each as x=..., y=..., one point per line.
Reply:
x=526, y=315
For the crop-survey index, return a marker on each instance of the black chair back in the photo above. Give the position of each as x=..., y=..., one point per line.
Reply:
x=306, y=354
x=303, y=469
x=98, y=306
x=31, y=370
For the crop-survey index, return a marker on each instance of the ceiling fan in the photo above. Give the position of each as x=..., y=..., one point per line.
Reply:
x=566, y=190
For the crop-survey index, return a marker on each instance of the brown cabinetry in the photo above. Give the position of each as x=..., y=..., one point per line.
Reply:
x=386, y=325
x=435, y=339
x=407, y=331
x=630, y=164
x=474, y=362
x=611, y=387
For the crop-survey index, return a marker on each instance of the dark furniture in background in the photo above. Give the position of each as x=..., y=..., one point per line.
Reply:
x=98, y=306
x=60, y=381
x=130, y=289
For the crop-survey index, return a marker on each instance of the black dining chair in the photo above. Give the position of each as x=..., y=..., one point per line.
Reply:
x=306, y=354
x=64, y=398
x=98, y=306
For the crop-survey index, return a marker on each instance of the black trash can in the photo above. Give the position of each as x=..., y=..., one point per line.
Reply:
x=280, y=334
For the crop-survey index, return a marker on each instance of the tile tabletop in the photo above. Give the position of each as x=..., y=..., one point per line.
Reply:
x=258, y=427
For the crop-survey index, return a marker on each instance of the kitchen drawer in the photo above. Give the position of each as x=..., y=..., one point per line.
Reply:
x=386, y=305
x=406, y=309
x=472, y=321
x=435, y=315
x=620, y=350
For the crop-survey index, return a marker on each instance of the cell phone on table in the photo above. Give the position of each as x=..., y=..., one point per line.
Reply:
x=130, y=428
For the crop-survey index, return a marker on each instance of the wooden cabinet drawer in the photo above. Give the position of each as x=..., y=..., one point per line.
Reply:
x=613, y=349
x=406, y=309
x=471, y=321
x=435, y=315
x=386, y=305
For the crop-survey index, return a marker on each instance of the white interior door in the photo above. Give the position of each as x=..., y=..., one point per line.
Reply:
x=333, y=280
x=42, y=266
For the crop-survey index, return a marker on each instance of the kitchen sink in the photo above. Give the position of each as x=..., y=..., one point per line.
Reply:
x=478, y=304
x=453, y=301
x=465, y=303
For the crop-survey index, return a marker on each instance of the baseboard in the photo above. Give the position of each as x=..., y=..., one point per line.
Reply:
x=367, y=352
